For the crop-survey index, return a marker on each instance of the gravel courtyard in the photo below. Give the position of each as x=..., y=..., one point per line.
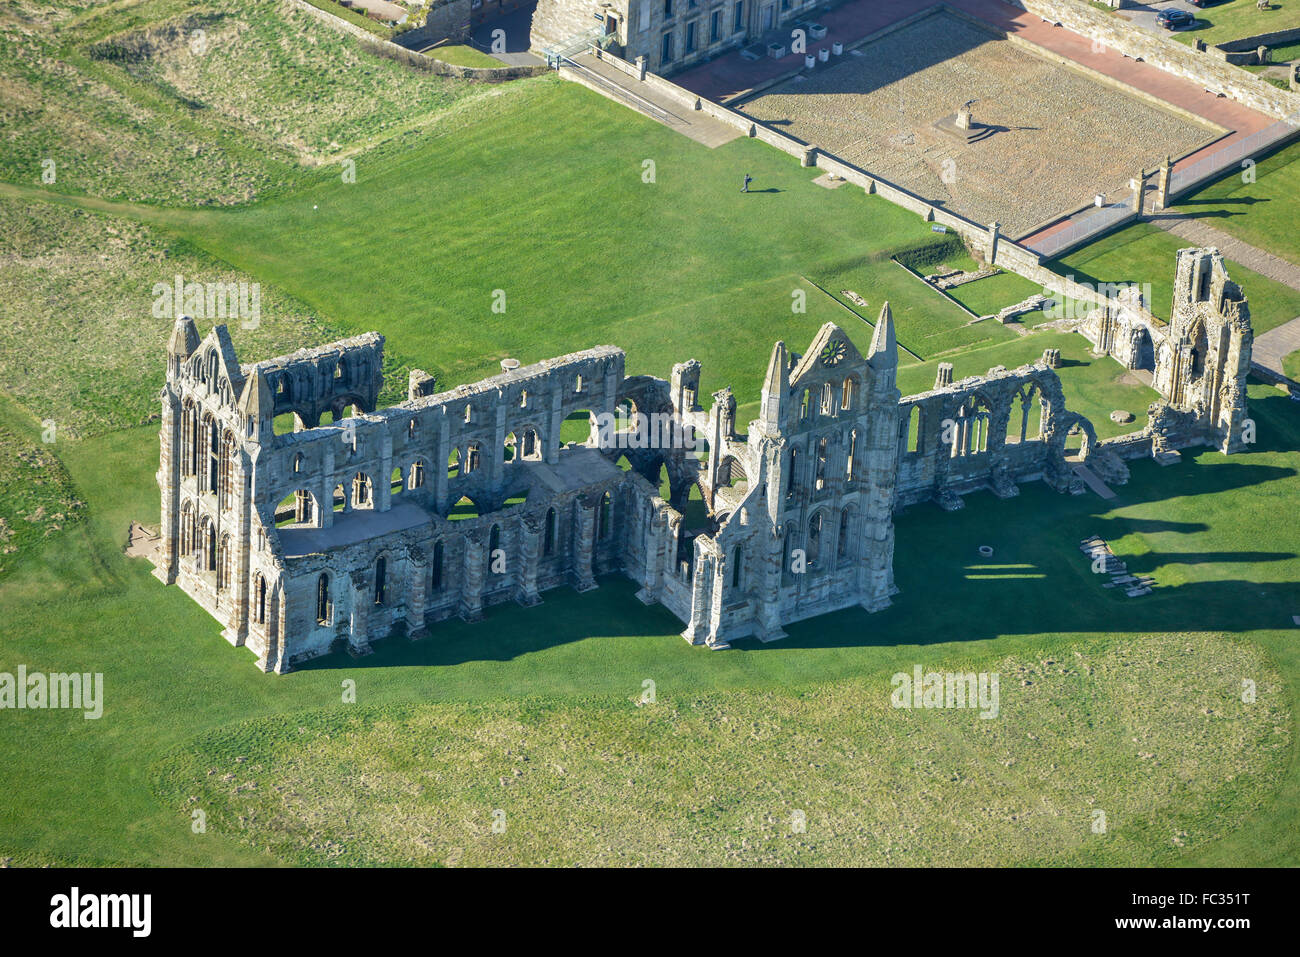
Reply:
x=1060, y=137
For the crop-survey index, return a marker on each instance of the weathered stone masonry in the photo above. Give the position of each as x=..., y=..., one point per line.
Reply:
x=340, y=533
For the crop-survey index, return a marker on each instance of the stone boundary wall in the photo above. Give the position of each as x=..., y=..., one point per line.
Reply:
x=391, y=50
x=1250, y=44
x=973, y=233
x=1211, y=72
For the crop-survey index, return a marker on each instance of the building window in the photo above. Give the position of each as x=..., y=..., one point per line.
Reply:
x=259, y=600
x=668, y=9
x=436, y=580
x=739, y=23
x=690, y=37
x=548, y=546
x=606, y=506
x=666, y=54
x=381, y=568
x=715, y=26
x=324, y=607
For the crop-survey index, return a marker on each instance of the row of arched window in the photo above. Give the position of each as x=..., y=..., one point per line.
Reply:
x=822, y=465
x=828, y=400
x=207, y=452
x=324, y=596
x=200, y=535
x=816, y=556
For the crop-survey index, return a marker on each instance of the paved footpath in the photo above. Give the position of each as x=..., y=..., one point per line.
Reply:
x=644, y=98
x=1201, y=233
x=1272, y=347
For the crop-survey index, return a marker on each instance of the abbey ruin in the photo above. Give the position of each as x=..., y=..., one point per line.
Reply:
x=343, y=532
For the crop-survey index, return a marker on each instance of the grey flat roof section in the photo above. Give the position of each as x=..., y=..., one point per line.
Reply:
x=576, y=468
x=351, y=527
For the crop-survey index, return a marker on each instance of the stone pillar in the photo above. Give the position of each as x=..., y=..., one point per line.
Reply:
x=809, y=156
x=585, y=546
x=717, y=603
x=995, y=233
x=640, y=68
x=769, y=605
x=551, y=438
x=701, y=582
x=496, y=457
x=241, y=570
x=531, y=530
x=441, y=453
x=383, y=490
x=169, y=480
x=279, y=636
x=655, y=526
x=359, y=624
x=325, y=488
x=1162, y=194
x=943, y=376
x=1139, y=193
x=419, y=599
x=471, y=594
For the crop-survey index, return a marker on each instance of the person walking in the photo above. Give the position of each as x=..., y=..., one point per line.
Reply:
x=748, y=179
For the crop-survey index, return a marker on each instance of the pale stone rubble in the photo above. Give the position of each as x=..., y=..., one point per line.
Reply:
x=340, y=534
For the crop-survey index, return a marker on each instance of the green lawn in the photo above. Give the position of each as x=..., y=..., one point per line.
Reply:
x=579, y=245
x=1291, y=365
x=1238, y=19
x=988, y=296
x=1143, y=253
x=1262, y=213
x=460, y=55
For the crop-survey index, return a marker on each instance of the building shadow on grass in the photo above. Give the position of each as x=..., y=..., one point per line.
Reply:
x=1037, y=582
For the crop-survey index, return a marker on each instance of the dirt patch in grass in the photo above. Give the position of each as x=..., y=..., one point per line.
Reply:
x=1153, y=733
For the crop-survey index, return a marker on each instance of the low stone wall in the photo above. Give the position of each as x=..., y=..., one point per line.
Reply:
x=975, y=234
x=418, y=61
x=1204, y=68
x=1251, y=44
x=449, y=20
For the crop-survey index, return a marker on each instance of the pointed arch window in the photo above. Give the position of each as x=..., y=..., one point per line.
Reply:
x=324, y=604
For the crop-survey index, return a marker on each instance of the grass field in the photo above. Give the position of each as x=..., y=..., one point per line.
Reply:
x=459, y=54
x=154, y=101
x=1262, y=213
x=1291, y=365
x=1238, y=19
x=1128, y=706
x=452, y=237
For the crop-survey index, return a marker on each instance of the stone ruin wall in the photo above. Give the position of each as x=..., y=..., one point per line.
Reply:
x=834, y=439
x=1198, y=362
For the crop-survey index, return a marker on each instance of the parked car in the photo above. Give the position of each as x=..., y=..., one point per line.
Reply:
x=1206, y=3
x=1174, y=19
